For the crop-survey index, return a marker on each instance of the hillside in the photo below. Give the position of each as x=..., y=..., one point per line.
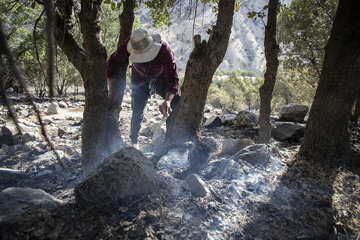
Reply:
x=246, y=47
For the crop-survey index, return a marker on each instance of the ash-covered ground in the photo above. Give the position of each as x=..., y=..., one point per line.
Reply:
x=263, y=192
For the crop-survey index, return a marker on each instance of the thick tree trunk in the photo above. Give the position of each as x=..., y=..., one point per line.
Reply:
x=126, y=24
x=91, y=63
x=272, y=63
x=185, y=121
x=326, y=136
x=96, y=100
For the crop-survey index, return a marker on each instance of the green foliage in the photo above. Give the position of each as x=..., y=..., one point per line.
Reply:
x=110, y=26
x=235, y=90
x=303, y=30
x=160, y=11
x=291, y=87
x=19, y=19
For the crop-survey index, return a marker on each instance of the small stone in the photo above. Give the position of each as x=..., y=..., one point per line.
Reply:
x=53, y=108
x=228, y=119
x=31, y=136
x=197, y=186
x=43, y=173
x=63, y=104
x=213, y=121
x=232, y=146
x=61, y=132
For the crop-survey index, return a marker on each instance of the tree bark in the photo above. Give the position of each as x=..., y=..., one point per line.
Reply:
x=126, y=19
x=185, y=121
x=326, y=135
x=356, y=115
x=272, y=63
x=91, y=63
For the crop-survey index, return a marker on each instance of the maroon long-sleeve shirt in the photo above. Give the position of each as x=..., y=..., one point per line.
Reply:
x=164, y=62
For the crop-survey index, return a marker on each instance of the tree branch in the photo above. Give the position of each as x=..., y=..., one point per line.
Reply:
x=64, y=34
x=6, y=50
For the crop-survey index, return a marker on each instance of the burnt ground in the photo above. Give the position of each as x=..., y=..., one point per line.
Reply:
x=288, y=199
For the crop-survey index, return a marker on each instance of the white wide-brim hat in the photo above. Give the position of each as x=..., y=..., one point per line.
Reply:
x=142, y=46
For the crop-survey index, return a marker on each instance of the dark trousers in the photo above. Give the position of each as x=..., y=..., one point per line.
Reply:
x=139, y=98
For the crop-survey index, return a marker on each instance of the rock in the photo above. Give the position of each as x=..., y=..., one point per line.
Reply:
x=63, y=104
x=27, y=123
x=31, y=136
x=293, y=112
x=14, y=203
x=232, y=170
x=61, y=132
x=43, y=173
x=287, y=131
x=9, y=177
x=126, y=173
x=174, y=160
x=197, y=186
x=232, y=146
x=199, y=155
x=53, y=109
x=6, y=137
x=247, y=119
x=158, y=137
x=228, y=119
x=24, y=113
x=254, y=154
x=151, y=129
x=208, y=108
x=211, y=142
x=213, y=121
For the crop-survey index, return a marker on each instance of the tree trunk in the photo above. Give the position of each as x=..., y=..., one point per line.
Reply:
x=126, y=24
x=272, y=63
x=326, y=136
x=91, y=63
x=185, y=121
x=356, y=115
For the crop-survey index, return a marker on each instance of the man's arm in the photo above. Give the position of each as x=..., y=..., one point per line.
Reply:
x=167, y=59
x=115, y=62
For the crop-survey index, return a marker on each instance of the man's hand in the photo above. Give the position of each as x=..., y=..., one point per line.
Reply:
x=165, y=107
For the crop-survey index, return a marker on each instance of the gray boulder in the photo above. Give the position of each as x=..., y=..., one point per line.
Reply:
x=254, y=154
x=293, y=112
x=31, y=136
x=197, y=186
x=228, y=119
x=158, y=137
x=151, y=128
x=6, y=137
x=213, y=121
x=232, y=146
x=53, y=108
x=247, y=119
x=126, y=173
x=14, y=203
x=285, y=131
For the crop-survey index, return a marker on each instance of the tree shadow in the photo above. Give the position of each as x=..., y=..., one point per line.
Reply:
x=299, y=208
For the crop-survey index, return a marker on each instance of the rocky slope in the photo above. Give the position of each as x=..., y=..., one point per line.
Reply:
x=246, y=46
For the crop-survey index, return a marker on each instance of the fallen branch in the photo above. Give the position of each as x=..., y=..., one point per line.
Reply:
x=11, y=60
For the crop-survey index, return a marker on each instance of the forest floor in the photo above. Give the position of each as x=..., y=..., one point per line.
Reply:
x=286, y=198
